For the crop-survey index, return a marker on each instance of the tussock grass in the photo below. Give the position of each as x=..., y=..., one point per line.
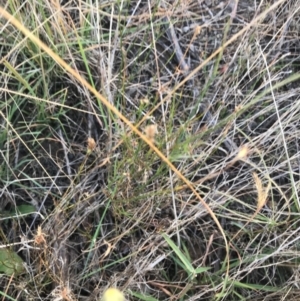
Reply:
x=155, y=146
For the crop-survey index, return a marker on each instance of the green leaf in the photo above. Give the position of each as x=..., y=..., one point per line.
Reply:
x=143, y=297
x=21, y=209
x=181, y=256
x=10, y=262
x=7, y=296
x=26, y=209
x=201, y=270
x=259, y=287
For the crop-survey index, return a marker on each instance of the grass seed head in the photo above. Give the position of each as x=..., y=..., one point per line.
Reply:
x=151, y=131
x=243, y=153
x=40, y=236
x=262, y=192
x=91, y=145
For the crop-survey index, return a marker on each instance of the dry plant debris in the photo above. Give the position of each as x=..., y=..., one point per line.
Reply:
x=40, y=237
x=91, y=145
x=85, y=205
x=151, y=131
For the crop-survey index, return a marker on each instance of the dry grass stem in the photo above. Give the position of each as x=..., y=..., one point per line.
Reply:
x=209, y=210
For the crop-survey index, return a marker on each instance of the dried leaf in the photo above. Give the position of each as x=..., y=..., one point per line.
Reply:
x=109, y=248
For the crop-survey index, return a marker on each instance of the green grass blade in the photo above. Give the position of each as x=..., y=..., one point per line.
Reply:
x=181, y=256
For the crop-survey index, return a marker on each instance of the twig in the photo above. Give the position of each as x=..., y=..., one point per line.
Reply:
x=179, y=54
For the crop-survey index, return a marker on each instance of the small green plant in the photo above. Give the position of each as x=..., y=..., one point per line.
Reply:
x=186, y=264
x=10, y=262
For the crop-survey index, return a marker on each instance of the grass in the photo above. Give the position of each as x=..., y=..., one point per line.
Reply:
x=150, y=147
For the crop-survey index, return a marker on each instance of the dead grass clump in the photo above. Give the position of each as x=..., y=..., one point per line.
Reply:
x=208, y=210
